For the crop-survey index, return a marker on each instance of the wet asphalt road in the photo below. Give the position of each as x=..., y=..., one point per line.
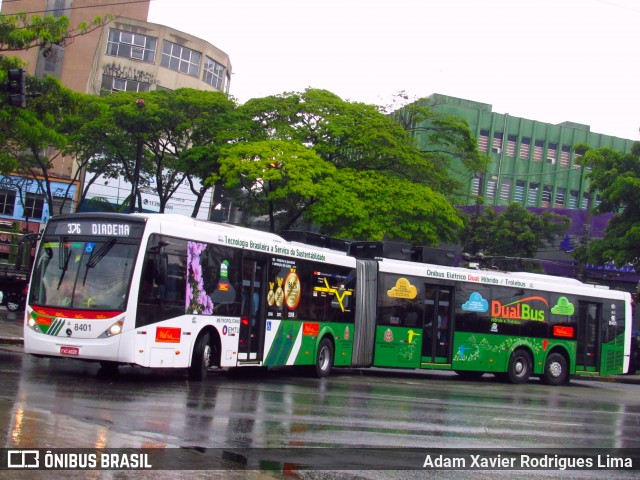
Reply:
x=61, y=403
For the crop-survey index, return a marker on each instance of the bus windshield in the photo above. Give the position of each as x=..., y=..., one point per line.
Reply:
x=77, y=274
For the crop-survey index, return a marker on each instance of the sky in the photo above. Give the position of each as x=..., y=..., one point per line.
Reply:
x=545, y=60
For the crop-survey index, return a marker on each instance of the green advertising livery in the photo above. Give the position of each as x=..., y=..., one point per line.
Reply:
x=165, y=291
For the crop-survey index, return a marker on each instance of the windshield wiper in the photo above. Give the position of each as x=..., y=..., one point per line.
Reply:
x=63, y=259
x=97, y=255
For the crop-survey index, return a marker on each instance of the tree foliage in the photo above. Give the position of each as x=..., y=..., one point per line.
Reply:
x=177, y=135
x=515, y=232
x=615, y=179
x=366, y=204
x=294, y=158
x=368, y=179
x=446, y=139
x=274, y=176
x=22, y=31
x=31, y=138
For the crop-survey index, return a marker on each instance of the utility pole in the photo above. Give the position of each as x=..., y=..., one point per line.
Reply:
x=136, y=171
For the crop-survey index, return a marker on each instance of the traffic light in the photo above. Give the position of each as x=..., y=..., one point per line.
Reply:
x=17, y=87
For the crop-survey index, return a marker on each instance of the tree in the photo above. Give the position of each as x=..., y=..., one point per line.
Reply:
x=369, y=205
x=212, y=122
x=357, y=143
x=514, y=233
x=348, y=135
x=444, y=138
x=22, y=32
x=31, y=138
x=98, y=148
x=180, y=134
x=274, y=176
x=615, y=179
x=26, y=134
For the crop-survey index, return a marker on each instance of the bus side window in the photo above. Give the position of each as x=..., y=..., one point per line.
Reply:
x=148, y=300
x=148, y=288
x=163, y=281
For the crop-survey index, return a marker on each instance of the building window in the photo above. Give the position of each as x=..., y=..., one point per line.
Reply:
x=532, y=198
x=525, y=147
x=505, y=189
x=575, y=157
x=132, y=45
x=65, y=203
x=564, y=155
x=511, y=146
x=547, y=192
x=179, y=58
x=213, y=73
x=475, y=185
x=116, y=84
x=483, y=141
x=7, y=201
x=559, y=203
x=33, y=206
x=573, y=199
x=537, y=151
x=518, y=194
x=552, y=153
x=491, y=188
x=496, y=146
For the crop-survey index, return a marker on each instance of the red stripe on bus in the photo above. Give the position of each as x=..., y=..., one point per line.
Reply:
x=78, y=314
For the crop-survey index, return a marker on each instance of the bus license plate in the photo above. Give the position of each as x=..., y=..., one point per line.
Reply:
x=74, y=351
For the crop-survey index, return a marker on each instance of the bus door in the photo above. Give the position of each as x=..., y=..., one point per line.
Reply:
x=438, y=316
x=589, y=338
x=253, y=312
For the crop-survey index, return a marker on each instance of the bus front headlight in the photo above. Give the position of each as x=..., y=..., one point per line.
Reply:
x=32, y=324
x=114, y=329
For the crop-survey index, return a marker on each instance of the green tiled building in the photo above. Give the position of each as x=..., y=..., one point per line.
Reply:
x=533, y=163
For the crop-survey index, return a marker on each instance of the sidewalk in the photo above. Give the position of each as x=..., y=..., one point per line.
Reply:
x=11, y=334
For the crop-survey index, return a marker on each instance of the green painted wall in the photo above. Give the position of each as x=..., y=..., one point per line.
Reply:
x=545, y=177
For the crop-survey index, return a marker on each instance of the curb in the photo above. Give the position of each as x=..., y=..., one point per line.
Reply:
x=11, y=341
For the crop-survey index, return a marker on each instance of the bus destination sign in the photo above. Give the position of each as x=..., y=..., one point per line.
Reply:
x=98, y=228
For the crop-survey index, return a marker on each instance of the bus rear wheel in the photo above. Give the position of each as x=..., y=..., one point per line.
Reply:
x=556, y=370
x=201, y=358
x=520, y=366
x=324, y=358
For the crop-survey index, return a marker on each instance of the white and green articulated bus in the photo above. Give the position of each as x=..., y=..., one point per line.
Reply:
x=168, y=291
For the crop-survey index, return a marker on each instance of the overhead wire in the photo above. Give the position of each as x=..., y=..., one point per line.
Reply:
x=78, y=7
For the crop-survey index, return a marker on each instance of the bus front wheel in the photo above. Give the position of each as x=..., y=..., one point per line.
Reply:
x=201, y=358
x=324, y=358
x=520, y=365
x=556, y=371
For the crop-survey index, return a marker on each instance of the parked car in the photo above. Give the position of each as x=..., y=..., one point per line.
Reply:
x=14, y=300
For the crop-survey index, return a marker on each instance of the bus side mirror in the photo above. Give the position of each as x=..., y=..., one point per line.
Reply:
x=160, y=262
x=24, y=249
